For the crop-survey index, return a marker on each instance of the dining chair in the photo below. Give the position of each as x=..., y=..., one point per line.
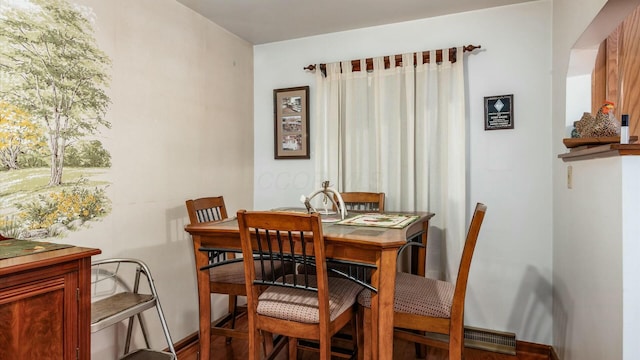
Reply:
x=361, y=202
x=228, y=276
x=295, y=305
x=226, y=273
x=424, y=306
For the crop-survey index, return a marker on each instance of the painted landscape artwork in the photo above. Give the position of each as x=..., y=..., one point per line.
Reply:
x=53, y=102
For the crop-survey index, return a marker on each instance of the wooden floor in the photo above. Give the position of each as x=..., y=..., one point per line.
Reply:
x=238, y=350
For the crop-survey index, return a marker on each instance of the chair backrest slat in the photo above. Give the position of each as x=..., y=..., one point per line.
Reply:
x=457, y=308
x=363, y=201
x=208, y=215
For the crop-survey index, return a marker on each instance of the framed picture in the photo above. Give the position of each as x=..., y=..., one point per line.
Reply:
x=291, y=123
x=498, y=112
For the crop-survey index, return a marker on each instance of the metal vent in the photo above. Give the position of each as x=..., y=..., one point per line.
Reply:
x=490, y=340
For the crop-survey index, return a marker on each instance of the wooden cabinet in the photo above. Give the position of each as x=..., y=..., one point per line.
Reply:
x=45, y=305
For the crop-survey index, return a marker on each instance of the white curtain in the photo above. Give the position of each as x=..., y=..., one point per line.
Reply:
x=400, y=131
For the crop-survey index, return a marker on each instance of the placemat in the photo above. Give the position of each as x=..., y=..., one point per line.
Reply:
x=393, y=221
x=15, y=247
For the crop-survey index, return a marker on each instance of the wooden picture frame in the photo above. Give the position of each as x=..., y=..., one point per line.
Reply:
x=291, y=123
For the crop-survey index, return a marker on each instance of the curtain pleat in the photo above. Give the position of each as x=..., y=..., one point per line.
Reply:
x=440, y=116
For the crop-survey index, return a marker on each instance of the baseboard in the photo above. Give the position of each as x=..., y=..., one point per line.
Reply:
x=524, y=347
x=188, y=347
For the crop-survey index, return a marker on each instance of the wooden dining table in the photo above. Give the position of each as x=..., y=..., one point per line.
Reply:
x=375, y=246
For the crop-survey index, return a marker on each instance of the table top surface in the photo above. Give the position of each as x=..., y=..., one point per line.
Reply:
x=378, y=236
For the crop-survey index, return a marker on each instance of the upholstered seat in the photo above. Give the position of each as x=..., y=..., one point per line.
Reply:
x=302, y=305
x=419, y=296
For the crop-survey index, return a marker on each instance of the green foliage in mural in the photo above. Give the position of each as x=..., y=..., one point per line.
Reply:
x=87, y=154
x=54, y=71
x=9, y=228
x=27, y=204
x=33, y=160
x=18, y=135
x=63, y=207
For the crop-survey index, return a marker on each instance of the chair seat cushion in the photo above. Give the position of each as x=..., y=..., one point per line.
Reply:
x=302, y=305
x=233, y=273
x=418, y=295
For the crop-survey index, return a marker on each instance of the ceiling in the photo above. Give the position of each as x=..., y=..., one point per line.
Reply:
x=265, y=21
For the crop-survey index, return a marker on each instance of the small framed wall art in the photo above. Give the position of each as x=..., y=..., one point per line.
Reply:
x=291, y=123
x=498, y=112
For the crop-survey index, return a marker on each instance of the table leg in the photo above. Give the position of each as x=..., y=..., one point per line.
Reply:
x=382, y=323
x=372, y=350
x=204, y=300
x=422, y=251
x=418, y=255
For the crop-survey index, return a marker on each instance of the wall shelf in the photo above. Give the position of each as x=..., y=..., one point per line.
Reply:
x=601, y=151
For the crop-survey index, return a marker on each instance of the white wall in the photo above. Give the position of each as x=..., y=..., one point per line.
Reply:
x=596, y=290
x=588, y=281
x=510, y=170
x=630, y=254
x=182, y=128
x=594, y=249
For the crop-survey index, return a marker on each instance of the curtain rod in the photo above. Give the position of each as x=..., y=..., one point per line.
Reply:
x=398, y=59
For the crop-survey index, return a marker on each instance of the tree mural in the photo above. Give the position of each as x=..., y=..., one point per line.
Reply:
x=53, y=105
x=55, y=72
